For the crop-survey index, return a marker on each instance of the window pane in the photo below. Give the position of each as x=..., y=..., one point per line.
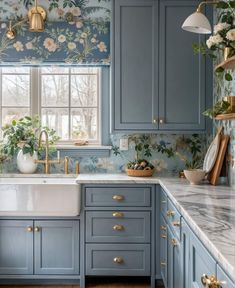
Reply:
x=84, y=90
x=57, y=119
x=54, y=70
x=9, y=114
x=55, y=90
x=16, y=70
x=84, y=123
x=84, y=70
x=15, y=90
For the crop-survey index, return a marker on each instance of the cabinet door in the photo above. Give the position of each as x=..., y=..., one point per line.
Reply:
x=182, y=74
x=174, y=263
x=56, y=247
x=16, y=247
x=225, y=281
x=185, y=240
x=135, y=62
x=163, y=249
x=201, y=262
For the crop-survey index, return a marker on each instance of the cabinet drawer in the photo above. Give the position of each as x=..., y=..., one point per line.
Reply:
x=163, y=202
x=174, y=219
x=118, y=259
x=118, y=226
x=118, y=196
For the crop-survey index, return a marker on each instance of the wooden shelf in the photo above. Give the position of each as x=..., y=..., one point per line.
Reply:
x=225, y=116
x=227, y=64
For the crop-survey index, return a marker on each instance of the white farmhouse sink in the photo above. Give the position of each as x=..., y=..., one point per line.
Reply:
x=39, y=196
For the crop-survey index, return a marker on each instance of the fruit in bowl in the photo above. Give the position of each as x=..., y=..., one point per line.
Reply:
x=140, y=168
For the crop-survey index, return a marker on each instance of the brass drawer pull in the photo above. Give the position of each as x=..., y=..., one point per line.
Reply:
x=118, y=214
x=36, y=229
x=170, y=213
x=163, y=228
x=30, y=229
x=118, y=227
x=118, y=260
x=118, y=197
x=176, y=223
x=163, y=263
x=155, y=120
x=163, y=201
x=163, y=236
x=210, y=282
x=174, y=242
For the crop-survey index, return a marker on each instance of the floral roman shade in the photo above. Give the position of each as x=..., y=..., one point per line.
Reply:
x=76, y=32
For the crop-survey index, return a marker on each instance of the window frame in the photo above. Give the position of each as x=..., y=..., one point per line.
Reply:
x=35, y=102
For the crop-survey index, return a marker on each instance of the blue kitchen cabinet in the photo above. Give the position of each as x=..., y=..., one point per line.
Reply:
x=200, y=263
x=158, y=82
x=163, y=249
x=56, y=245
x=223, y=278
x=135, y=65
x=16, y=247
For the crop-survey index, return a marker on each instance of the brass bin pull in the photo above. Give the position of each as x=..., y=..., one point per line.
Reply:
x=163, y=236
x=176, y=223
x=30, y=229
x=170, y=213
x=118, y=214
x=163, y=263
x=118, y=227
x=118, y=197
x=210, y=282
x=36, y=229
x=118, y=260
x=163, y=228
x=174, y=242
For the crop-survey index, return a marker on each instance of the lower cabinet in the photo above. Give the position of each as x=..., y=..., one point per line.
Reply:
x=49, y=247
x=163, y=249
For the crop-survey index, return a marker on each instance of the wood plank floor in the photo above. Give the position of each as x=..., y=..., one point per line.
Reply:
x=97, y=283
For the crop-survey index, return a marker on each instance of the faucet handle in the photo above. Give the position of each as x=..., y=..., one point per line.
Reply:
x=66, y=165
x=77, y=168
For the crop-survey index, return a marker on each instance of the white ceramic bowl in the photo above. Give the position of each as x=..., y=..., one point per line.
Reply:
x=195, y=176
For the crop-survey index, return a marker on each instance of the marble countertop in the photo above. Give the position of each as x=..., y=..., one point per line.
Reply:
x=209, y=210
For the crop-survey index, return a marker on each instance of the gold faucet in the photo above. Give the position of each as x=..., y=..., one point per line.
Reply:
x=46, y=161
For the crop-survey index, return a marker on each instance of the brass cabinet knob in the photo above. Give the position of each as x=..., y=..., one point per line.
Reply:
x=161, y=121
x=155, y=121
x=163, y=263
x=170, y=213
x=163, y=228
x=176, y=223
x=118, y=260
x=163, y=236
x=118, y=214
x=30, y=229
x=174, y=242
x=118, y=227
x=36, y=229
x=118, y=197
x=210, y=281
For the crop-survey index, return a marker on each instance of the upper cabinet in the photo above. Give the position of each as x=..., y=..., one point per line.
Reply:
x=135, y=64
x=158, y=83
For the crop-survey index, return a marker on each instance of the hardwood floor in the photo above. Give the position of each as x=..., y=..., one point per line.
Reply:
x=95, y=283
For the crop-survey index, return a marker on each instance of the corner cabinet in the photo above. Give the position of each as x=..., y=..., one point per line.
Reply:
x=158, y=82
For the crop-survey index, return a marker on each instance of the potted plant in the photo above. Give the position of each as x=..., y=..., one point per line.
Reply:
x=144, y=146
x=21, y=138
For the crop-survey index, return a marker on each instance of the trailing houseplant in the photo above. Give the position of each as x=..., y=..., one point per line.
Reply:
x=20, y=138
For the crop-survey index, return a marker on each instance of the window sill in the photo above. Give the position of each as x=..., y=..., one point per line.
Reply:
x=84, y=151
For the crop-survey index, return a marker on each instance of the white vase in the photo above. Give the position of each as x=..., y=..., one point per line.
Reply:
x=26, y=162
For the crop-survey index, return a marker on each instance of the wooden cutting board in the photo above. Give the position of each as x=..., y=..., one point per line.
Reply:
x=215, y=172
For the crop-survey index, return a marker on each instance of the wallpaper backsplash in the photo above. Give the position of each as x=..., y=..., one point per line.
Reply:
x=117, y=164
x=76, y=32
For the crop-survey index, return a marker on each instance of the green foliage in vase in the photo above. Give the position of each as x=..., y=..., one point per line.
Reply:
x=220, y=107
x=23, y=134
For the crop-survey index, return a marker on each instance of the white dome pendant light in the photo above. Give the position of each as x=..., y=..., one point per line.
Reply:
x=198, y=22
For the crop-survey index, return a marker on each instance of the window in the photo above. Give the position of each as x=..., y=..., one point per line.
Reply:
x=67, y=99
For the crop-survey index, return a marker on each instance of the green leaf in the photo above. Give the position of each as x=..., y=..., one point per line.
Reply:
x=228, y=77
x=222, y=5
x=219, y=70
x=232, y=4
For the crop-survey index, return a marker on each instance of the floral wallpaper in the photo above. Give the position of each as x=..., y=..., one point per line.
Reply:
x=76, y=32
x=164, y=166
